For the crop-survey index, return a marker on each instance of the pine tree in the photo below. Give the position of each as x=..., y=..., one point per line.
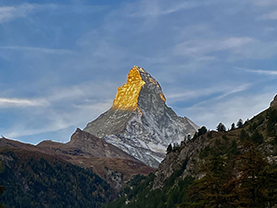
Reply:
x=203, y=130
x=209, y=191
x=233, y=126
x=244, y=135
x=221, y=127
x=257, y=137
x=246, y=181
x=240, y=123
x=255, y=183
x=169, y=148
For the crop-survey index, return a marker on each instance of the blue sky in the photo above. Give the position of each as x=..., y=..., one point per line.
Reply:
x=62, y=61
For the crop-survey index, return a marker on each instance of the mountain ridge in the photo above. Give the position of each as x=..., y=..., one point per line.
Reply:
x=139, y=122
x=103, y=158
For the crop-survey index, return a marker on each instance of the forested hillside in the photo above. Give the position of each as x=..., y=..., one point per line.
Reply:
x=35, y=180
x=234, y=168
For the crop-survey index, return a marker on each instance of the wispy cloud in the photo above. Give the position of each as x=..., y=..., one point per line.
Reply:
x=9, y=13
x=237, y=48
x=264, y=3
x=83, y=92
x=40, y=50
x=222, y=91
x=60, y=109
x=57, y=120
x=270, y=6
x=233, y=90
x=157, y=8
x=229, y=111
x=154, y=8
x=259, y=71
x=196, y=47
x=15, y=102
x=270, y=16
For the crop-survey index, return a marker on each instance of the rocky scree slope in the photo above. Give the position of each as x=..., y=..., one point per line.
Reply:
x=139, y=122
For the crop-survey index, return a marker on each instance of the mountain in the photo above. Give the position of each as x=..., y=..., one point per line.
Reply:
x=106, y=160
x=85, y=172
x=235, y=168
x=139, y=122
x=87, y=151
x=129, y=139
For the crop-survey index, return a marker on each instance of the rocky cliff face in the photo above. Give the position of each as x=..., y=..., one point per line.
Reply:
x=139, y=122
x=87, y=143
x=274, y=102
x=190, y=156
x=184, y=159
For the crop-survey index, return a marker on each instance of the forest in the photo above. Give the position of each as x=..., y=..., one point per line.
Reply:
x=37, y=181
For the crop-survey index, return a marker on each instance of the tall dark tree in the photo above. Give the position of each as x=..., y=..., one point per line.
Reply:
x=240, y=123
x=221, y=127
x=203, y=130
x=169, y=148
x=233, y=126
x=255, y=185
x=244, y=135
x=257, y=137
x=209, y=190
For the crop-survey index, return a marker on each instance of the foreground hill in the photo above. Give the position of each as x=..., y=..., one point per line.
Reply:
x=85, y=172
x=87, y=151
x=235, y=168
x=33, y=179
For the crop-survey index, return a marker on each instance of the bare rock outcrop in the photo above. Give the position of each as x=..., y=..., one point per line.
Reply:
x=274, y=102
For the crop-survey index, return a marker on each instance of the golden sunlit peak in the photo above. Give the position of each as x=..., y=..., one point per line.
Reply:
x=127, y=95
x=162, y=97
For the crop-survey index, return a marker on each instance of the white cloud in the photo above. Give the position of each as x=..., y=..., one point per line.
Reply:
x=57, y=120
x=84, y=91
x=259, y=71
x=270, y=16
x=155, y=8
x=233, y=90
x=237, y=48
x=9, y=13
x=40, y=50
x=264, y=3
x=197, y=47
x=62, y=108
x=14, y=102
x=229, y=111
x=223, y=91
x=145, y=8
x=271, y=5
